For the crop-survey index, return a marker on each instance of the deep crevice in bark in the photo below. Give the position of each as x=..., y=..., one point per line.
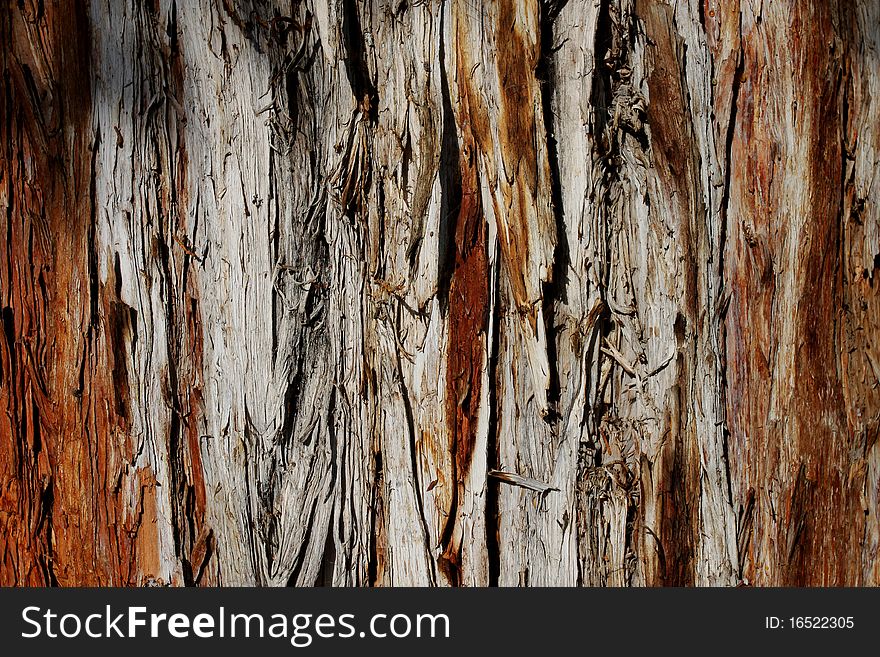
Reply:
x=493, y=486
x=92, y=237
x=376, y=520
x=450, y=181
x=554, y=290
x=355, y=63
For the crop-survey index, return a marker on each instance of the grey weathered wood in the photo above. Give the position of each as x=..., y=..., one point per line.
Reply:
x=296, y=291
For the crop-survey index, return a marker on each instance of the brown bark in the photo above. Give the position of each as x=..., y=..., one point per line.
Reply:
x=361, y=292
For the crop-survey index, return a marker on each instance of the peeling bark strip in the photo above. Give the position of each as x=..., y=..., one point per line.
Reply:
x=468, y=321
x=439, y=293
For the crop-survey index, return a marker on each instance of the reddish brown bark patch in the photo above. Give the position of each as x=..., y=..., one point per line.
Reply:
x=790, y=439
x=468, y=308
x=468, y=313
x=61, y=439
x=468, y=300
x=831, y=501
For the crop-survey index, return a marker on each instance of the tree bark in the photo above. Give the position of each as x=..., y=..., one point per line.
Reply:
x=460, y=292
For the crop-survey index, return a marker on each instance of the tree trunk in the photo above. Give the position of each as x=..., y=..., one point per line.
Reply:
x=386, y=292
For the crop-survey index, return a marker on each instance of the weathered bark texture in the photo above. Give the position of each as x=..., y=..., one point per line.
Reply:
x=461, y=292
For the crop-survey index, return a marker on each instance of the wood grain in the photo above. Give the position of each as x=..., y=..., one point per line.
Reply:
x=444, y=293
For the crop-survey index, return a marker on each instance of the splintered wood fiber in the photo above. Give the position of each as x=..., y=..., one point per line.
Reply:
x=445, y=293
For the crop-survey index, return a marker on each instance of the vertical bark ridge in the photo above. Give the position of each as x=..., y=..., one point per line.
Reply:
x=64, y=521
x=783, y=267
